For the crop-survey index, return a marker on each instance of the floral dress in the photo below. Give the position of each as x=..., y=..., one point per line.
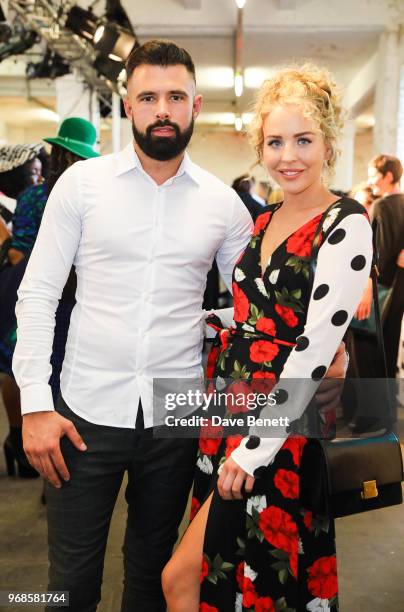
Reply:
x=266, y=552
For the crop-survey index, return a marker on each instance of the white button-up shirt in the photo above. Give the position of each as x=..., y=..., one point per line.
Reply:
x=142, y=252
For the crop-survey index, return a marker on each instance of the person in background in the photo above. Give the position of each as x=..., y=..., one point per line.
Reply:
x=384, y=175
x=363, y=193
x=260, y=191
x=242, y=185
x=20, y=168
x=74, y=142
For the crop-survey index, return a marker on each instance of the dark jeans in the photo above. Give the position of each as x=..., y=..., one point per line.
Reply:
x=160, y=473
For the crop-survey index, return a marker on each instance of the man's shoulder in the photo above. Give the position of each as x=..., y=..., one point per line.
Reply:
x=208, y=180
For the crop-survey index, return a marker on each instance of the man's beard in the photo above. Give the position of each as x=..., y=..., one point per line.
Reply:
x=163, y=148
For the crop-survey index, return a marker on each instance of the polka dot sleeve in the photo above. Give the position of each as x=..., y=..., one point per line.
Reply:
x=343, y=267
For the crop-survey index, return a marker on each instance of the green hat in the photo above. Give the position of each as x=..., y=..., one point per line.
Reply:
x=78, y=136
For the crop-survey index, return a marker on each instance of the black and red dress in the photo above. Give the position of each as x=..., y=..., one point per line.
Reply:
x=266, y=552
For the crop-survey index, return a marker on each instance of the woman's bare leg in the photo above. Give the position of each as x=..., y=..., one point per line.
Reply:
x=181, y=575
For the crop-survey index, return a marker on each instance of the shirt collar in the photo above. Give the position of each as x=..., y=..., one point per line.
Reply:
x=127, y=159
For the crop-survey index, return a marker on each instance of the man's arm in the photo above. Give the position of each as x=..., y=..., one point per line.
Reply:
x=38, y=297
x=41, y=289
x=237, y=237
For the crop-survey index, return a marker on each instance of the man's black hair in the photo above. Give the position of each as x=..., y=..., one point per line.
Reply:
x=159, y=53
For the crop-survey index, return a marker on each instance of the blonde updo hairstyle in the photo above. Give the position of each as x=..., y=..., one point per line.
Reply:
x=308, y=86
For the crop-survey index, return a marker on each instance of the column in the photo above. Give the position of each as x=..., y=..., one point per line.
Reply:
x=343, y=177
x=387, y=93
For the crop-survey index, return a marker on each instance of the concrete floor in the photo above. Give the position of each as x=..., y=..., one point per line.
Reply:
x=370, y=549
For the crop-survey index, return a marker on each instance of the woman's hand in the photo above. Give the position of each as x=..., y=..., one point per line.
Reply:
x=365, y=305
x=231, y=480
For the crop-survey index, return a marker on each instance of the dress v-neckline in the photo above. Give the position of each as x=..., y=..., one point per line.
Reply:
x=263, y=271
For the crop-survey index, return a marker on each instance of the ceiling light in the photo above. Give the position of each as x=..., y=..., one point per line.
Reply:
x=110, y=69
x=238, y=84
x=215, y=77
x=240, y=3
x=82, y=22
x=238, y=123
x=110, y=38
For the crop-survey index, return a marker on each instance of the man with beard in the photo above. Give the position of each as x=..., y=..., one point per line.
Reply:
x=142, y=228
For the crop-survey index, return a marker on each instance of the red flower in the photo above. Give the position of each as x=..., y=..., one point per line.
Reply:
x=204, y=607
x=224, y=339
x=263, y=382
x=287, y=315
x=210, y=439
x=261, y=223
x=263, y=350
x=323, y=580
x=264, y=604
x=240, y=576
x=288, y=483
x=232, y=442
x=278, y=527
x=266, y=325
x=236, y=397
x=249, y=594
x=204, y=570
x=241, y=304
x=295, y=445
x=211, y=363
x=195, y=505
x=307, y=520
x=300, y=242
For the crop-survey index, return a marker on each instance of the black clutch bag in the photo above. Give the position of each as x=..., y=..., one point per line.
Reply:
x=347, y=476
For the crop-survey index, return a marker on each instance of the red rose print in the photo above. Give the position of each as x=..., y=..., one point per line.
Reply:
x=204, y=607
x=307, y=520
x=266, y=325
x=263, y=350
x=240, y=576
x=288, y=483
x=241, y=304
x=323, y=580
x=295, y=445
x=249, y=594
x=211, y=363
x=300, y=242
x=263, y=382
x=232, y=442
x=195, y=505
x=210, y=439
x=261, y=223
x=224, y=339
x=204, y=570
x=287, y=315
x=264, y=604
x=278, y=527
x=236, y=397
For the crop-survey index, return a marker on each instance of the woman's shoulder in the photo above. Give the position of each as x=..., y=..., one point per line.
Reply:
x=342, y=209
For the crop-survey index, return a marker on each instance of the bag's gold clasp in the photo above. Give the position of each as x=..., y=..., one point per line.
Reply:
x=369, y=489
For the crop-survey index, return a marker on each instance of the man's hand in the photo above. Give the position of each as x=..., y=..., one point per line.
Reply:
x=231, y=480
x=329, y=392
x=41, y=436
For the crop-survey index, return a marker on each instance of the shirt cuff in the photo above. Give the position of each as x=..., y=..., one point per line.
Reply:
x=36, y=398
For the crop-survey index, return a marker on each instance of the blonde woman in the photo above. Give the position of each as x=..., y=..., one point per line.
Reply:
x=252, y=545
